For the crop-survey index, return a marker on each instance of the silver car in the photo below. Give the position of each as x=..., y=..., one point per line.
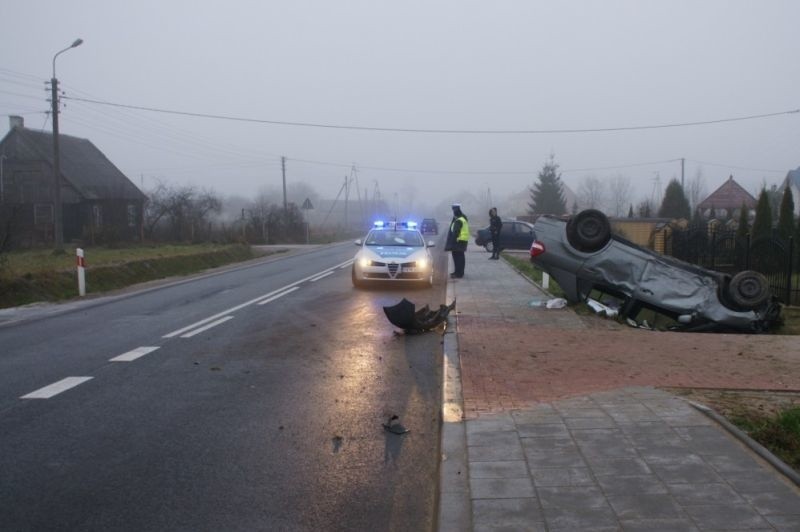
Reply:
x=581, y=254
x=394, y=252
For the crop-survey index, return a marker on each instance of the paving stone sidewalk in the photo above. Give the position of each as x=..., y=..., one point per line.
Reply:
x=619, y=457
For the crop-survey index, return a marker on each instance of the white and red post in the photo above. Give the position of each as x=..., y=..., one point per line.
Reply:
x=81, y=272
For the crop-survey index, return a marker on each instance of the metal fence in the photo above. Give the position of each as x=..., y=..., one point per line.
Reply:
x=774, y=256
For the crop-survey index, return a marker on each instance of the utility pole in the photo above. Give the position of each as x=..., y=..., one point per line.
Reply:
x=283, y=169
x=346, y=198
x=682, y=165
x=58, y=222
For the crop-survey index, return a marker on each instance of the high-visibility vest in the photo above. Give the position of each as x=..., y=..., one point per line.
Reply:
x=463, y=235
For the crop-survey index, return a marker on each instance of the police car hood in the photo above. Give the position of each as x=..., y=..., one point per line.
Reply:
x=392, y=252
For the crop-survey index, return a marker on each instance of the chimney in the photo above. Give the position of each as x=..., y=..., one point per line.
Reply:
x=15, y=121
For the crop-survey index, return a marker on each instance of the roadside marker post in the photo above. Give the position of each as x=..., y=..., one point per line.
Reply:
x=545, y=280
x=81, y=272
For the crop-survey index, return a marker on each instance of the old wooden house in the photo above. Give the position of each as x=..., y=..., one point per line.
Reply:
x=100, y=204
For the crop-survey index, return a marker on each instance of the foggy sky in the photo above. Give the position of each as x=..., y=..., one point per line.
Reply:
x=456, y=65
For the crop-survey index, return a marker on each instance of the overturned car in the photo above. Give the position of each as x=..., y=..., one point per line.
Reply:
x=582, y=255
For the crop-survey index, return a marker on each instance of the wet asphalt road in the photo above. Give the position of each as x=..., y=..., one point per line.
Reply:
x=221, y=413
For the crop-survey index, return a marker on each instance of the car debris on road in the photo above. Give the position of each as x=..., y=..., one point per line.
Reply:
x=405, y=316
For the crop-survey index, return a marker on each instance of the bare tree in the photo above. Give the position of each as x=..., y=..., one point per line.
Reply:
x=591, y=194
x=696, y=189
x=620, y=191
x=183, y=209
x=646, y=208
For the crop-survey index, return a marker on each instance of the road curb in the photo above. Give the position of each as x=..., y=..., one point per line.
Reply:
x=455, y=508
x=754, y=446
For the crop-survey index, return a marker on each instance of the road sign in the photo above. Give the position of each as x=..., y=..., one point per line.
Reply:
x=307, y=204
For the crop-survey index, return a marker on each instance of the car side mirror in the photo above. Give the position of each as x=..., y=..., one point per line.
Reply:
x=431, y=244
x=358, y=242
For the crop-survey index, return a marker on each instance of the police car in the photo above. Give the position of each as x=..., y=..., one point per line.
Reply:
x=393, y=251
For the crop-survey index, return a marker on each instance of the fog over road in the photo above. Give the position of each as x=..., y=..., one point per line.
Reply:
x=251, y=399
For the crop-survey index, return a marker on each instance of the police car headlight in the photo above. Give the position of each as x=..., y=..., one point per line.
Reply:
x=422, y=264
x=365, y=262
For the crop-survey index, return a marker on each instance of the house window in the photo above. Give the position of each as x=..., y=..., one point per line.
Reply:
x=131, y=215
x=42, y=213
x=97, y=216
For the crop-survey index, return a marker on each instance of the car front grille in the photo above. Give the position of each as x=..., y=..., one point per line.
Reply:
x=393, y=269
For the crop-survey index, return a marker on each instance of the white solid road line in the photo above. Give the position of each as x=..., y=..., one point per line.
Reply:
x=346, y=264
x=245, y=304
x=56, y=388
x=318, y=277
x=130, y=356
x=276, y=296
x=206, y=327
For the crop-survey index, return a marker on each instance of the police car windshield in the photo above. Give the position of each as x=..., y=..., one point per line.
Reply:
x=383, y=237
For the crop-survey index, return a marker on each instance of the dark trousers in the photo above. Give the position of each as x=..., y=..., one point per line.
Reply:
x=459, y=261
x=496, y=245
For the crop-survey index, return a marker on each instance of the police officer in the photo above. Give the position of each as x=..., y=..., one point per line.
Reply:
x=457, y=238
x=495, y=224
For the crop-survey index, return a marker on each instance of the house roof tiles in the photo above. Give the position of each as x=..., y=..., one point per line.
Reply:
x=83, y=166
x=730, y=195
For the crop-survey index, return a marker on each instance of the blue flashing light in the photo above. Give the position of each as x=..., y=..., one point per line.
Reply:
x=378, y=224
x=411, y=225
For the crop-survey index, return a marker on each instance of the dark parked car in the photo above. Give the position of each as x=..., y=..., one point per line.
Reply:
x=429, y=226
x=513, y=235
x=581, y=254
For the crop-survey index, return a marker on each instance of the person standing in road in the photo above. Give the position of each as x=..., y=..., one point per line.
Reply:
x=495, y=224
x=457, y=239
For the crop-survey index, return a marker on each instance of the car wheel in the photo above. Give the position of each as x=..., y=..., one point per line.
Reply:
x=489, y=247
x=749, y=290
x=588, y=231
x=356, y=282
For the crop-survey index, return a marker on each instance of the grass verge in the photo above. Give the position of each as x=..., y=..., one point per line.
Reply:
x=533, y=273
x=779, y=433
x=41, y=276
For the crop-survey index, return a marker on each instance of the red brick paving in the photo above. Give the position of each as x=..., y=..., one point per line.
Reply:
x=508, y=365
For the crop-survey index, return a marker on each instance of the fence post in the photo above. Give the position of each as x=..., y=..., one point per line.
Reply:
x=713, y=246
x=789, y=272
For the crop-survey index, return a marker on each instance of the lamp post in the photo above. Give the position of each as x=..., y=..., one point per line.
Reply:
x=58, y=222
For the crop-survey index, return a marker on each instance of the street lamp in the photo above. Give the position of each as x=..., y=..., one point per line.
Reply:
x=58, y=222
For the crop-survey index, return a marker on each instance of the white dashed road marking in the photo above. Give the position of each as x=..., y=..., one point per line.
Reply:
x=318, y=277
x=130, y=356
x=276, y=296
x=245, y=304
x=206, y=327
x=56, y=388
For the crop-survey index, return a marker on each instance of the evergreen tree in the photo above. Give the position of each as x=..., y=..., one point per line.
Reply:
x=786, y=217
x=630, y=211
x=744, y=222
x=762, y=225
x=675, y=204
x=547, y=196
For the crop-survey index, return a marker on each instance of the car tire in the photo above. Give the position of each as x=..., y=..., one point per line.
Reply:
x=489, y=247
x=588, y=231
x=749, y=290
x=356, y=282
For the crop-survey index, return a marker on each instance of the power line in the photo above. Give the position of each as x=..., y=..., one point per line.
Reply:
x=739, y=167
x=418, y=130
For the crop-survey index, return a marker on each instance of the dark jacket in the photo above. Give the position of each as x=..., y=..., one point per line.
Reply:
x=453, y=244
x=495, y=224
